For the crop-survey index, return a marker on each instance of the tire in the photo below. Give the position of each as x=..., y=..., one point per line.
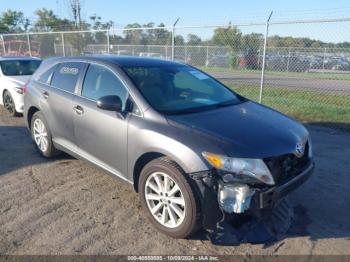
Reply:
x=9, y=104
x=176, y=226
x=41, y=136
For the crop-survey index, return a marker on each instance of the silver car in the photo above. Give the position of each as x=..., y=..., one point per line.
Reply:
x=197, y=152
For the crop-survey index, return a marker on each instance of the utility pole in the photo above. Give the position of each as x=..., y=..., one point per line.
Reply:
x=76, y=9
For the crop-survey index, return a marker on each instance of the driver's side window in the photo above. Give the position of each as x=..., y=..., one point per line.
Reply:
x=100, y=81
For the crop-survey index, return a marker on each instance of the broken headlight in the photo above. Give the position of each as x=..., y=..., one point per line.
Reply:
x=241, y=169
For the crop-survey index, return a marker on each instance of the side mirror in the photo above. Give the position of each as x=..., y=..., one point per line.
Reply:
x=110, y=103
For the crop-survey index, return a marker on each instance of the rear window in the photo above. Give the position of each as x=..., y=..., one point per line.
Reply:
x=19, y=67
x=66, y=76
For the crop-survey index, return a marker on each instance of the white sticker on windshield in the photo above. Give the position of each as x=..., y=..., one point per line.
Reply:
x=199, y=75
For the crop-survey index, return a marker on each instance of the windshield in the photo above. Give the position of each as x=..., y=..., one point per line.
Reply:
x=19, y=67
x=180, y=89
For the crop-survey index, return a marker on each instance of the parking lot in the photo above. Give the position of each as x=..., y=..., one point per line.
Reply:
x=66, y=206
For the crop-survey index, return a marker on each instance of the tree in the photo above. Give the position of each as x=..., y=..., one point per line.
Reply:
x=13, y=22
x=48, y=21
x=250, y=46
x=231, y=37
x=179, y=40
x=193, y=39
x=133, y=37
x=227, y=36
x=162, y=36
x=75, y=6
x=100, y=37
x=252, y=42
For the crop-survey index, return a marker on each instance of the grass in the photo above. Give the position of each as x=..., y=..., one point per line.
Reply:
x=306, y=106
x=312, y=75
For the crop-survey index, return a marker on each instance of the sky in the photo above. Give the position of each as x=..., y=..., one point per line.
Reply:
x=201, y=12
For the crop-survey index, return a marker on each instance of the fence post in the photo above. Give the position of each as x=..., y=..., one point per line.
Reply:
x=108, y=44
x=288, y=59
x=63, y=47
x=173, y=40
x=324, y=58
x=29, y=47
x=264, y=58
x=207, y=59
x=3, y=44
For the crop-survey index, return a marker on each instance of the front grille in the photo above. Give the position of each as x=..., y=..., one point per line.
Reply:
x=286, y=167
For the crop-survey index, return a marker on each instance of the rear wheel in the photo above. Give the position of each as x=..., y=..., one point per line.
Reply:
x=168, y=199
x=9, y=104
x=42, y=136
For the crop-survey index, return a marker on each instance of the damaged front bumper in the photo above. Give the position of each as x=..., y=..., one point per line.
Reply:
x=233, y=213
x=266, y=198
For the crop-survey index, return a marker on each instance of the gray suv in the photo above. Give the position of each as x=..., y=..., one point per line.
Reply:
x=195, y=151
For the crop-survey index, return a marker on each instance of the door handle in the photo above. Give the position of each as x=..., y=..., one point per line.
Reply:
x=78, y=110
x=45, y=95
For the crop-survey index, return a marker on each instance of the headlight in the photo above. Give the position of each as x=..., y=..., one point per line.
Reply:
x=242, y=169
x=18, y=90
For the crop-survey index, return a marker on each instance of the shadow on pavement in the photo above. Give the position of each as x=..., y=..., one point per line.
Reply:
x=17, y=150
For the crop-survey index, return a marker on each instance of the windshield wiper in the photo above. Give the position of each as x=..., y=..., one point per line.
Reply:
x=190, y=110
x=201, y=108
x=227, y=103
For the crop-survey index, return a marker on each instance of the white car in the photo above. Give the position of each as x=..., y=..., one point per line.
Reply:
x=15, y=71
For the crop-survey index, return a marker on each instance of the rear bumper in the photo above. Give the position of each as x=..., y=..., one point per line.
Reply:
x=266, y=198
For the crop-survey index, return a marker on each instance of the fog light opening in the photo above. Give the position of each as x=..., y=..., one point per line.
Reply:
x=235, y=198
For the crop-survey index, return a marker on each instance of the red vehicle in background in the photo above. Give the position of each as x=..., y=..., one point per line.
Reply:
x=20, y=48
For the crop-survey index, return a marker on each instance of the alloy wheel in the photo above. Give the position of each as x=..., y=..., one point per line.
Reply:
x=8, y=103
x=165, y=200
x=40, y=134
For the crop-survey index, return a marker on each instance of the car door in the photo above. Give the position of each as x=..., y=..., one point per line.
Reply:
x=57, y=101
x=101, y=135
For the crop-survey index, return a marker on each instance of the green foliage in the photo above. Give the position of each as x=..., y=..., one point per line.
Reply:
x=309, y=106
x=234, y=60
x=193, y=39
x=13, y=21
x=48, y=21
x=288, y=41
x=227, y=36
x=153, y=36
x=99, y=37
x=179, y=40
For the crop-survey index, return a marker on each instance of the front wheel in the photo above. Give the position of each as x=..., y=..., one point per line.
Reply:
x=42, y=136
x=168, y=199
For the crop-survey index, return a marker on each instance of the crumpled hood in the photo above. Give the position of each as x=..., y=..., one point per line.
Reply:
x=17, y=80
x=245, y=130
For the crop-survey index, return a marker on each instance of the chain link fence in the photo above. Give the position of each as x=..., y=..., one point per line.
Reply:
x=310, y=83
x=300, y=68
